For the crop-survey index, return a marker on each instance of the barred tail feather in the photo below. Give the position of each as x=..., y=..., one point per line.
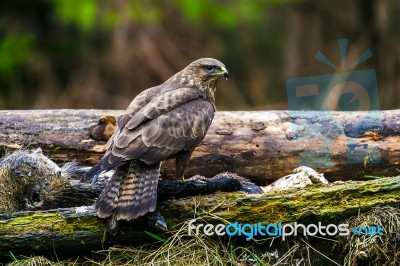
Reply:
x=108, y=199
x=131, y=192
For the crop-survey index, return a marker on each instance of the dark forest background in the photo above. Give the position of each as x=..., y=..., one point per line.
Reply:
x=102, y=53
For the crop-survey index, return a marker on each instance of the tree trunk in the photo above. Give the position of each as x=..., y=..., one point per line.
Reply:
x=262, y=146
x=78, y=229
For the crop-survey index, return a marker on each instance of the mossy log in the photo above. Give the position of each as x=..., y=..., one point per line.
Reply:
x=78, y=229
x=262, y=146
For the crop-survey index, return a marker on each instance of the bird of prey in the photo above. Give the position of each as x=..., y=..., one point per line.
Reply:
x=165, y=121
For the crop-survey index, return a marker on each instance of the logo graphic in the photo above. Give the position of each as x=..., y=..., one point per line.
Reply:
x=354, y=90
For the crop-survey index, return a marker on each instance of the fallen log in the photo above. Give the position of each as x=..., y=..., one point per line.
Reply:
x=78, y=229
x=31, y=181
x=262, y=146
x=76, y=193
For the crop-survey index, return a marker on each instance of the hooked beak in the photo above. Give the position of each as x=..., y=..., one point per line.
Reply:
x=224, y=72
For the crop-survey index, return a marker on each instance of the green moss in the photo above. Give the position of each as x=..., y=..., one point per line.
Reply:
x=48, y=221
x=325, y=203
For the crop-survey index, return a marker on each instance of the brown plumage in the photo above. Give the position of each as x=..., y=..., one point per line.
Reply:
x=161, y=122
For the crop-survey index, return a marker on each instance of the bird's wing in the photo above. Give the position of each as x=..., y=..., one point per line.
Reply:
x=159, y=105
x=174, y=121
x=140, y=101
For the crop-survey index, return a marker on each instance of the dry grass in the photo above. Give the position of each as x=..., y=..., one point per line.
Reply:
x=374, y=249
x=179, y=249
x=182, y=249
x=35, y=261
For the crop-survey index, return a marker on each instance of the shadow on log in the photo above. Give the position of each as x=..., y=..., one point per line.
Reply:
x=262, y=146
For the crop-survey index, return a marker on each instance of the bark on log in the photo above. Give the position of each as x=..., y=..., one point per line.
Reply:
x=78, y=230
x=262, y=146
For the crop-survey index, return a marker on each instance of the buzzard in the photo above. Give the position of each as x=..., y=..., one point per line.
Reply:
x=165, y=121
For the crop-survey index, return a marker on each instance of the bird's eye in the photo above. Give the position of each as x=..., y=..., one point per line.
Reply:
x=208, y=68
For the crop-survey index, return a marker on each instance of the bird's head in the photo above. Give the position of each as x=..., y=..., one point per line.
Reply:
x=204, y=73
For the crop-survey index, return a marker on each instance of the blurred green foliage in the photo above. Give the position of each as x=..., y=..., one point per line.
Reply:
x=82, y=13
x=56, y=36
x=226, y=14
x=101, y=53
x=14, y=51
